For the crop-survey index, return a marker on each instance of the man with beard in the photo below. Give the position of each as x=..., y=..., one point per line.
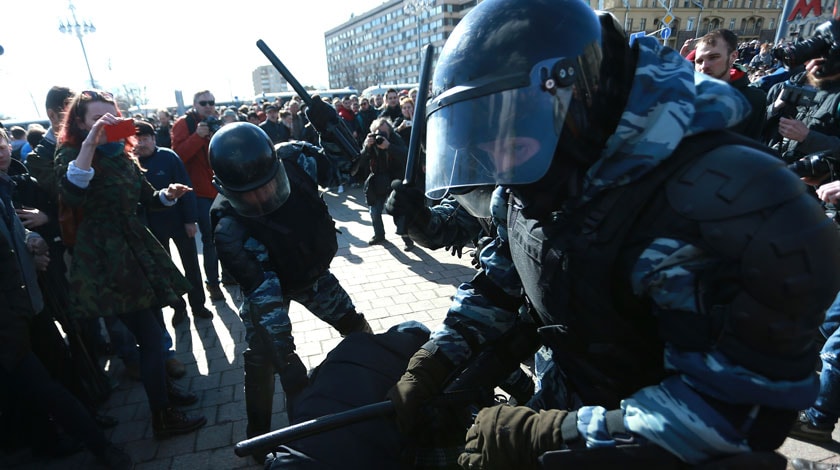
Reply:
x=806, y=128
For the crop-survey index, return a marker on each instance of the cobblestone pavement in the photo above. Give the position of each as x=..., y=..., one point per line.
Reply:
x=386, y=283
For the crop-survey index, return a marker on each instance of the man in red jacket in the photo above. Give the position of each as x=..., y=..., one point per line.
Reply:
x=190, y=138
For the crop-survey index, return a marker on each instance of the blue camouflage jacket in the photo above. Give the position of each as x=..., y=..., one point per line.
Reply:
x=667, y=103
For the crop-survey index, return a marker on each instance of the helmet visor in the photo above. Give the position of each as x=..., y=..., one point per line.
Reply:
x=507, y=137
x=264, y=199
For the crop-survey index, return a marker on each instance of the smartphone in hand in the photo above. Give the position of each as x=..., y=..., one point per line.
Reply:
x=121, y=130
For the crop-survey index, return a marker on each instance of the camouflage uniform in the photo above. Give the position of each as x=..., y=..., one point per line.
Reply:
x=118, y=266
x=274, y=264
x=708, y=399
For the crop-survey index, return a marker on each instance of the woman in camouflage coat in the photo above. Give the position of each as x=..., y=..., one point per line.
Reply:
x=118, y=267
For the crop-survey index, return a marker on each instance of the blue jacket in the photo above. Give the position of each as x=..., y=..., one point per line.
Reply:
x=162, y=168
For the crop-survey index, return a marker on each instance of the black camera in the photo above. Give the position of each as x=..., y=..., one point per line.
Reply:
x=824, y=44
x=213, y=123
x=816, y=164
x=378, y=138
x=798, y=95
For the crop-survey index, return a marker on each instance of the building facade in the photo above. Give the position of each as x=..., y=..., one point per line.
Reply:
x=381, y=46
x=749, y=19
x=267, y=79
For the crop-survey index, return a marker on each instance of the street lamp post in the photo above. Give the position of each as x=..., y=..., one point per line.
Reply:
x=79, y=29
x=417, y=7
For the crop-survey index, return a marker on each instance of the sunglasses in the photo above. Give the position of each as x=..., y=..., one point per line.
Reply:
x=94, y=95
x=207, y=103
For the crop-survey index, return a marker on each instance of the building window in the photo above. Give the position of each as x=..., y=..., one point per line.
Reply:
x=732, y=24
x=629, y=24
x=690, y=25
x=642, y=24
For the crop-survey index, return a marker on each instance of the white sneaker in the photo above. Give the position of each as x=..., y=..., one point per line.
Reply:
x=340, y=188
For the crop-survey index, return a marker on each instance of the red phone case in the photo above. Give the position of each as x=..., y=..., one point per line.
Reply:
x=121, y=130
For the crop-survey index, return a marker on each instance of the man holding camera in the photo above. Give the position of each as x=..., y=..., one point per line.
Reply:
x=385, y=154
x=806, y=112
x=190, y=140
x=804, y=109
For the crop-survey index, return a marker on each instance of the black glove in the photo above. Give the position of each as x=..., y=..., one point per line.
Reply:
x=422, y=381
x=512, y=437
x=408, y=201
x=455, y=250
x=321, y=114
x=482, y=242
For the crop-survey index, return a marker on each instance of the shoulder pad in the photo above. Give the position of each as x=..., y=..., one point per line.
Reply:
x=731, y=180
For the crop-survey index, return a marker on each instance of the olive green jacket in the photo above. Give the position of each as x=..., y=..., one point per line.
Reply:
x=118, y=266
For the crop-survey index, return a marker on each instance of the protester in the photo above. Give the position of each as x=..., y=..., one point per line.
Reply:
x=118, y=267
x=22, y=375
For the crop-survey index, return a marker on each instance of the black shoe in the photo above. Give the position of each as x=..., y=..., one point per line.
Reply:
x=170, y=422
x=201, y=312
x=215, y=292
x=175, y=368
x=105, y=421
x=804, y=429
x=376, y=240
x=180, y=397
x=115, y=458
x=409, y=245
x=60, y=446
x=179, y=316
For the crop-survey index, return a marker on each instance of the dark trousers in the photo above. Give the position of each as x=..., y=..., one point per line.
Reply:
x=189, y=260
x=29, y=383
x=146, y=328
x=208, y=249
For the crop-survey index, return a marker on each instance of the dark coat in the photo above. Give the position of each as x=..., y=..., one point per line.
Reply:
x=20, y=297
x=163, y=168
x=754, y=123
x=385, y=166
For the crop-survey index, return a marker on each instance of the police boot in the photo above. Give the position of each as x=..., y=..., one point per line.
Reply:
x=259, y=394
x=294, y=379
x=171, y=421
x=351, y=323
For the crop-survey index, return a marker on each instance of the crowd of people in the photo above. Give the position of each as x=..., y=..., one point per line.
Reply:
x=609, y=189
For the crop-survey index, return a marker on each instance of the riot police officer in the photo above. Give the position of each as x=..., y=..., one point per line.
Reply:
x=275, y=235
x=677, y=271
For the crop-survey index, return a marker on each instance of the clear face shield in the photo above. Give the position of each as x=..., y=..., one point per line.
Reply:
x=485, y=135
x=262, y=200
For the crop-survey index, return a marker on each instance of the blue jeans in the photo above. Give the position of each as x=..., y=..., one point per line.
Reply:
x=208, y=249
x=826, y=409
x=125, y=344
x=146, y=327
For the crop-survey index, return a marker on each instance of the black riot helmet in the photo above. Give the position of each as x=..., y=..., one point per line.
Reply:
x=247, y=171
x=519, y=96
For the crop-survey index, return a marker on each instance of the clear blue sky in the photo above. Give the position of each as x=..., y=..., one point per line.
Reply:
x=162, y=45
